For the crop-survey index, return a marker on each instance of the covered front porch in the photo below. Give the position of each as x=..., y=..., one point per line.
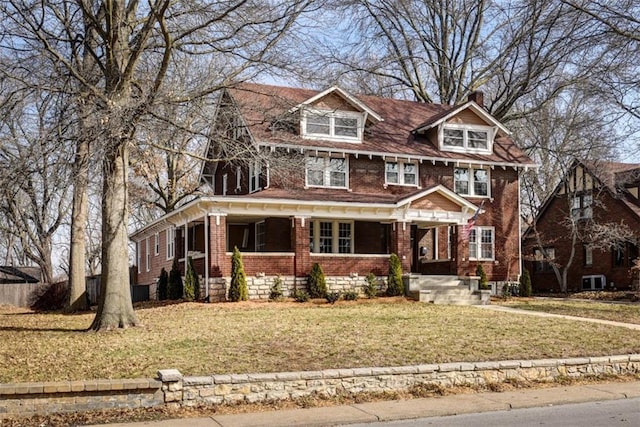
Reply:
x=349, y=240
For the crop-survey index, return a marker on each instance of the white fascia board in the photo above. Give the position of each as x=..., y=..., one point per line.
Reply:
x=411, y=157
x=476, y=109
x=461, y=201
x=345, y=95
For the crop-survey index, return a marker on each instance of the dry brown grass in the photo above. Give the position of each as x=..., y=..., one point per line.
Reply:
x=626, y=313
x=202, y=339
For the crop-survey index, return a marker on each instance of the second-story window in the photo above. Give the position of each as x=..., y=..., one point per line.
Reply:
x=471, y=182
x=339, y=125
x=581, y=206
x=326, y=172
x=254, y=177
x=401, y=173
x=467, y=138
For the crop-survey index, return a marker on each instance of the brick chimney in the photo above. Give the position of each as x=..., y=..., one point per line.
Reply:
x=477, y=96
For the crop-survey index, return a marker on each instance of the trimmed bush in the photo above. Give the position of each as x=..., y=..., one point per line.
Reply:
x=316, y=282
x=300, y=296
x=525, y=284
x=395, y=286
x=175, y=281
x=484, y=283
x=371, y=288
x=276, y=293
x=350, y=296
x=191, y=282
x=332, y=297
x=238, y=288
x=163, y=285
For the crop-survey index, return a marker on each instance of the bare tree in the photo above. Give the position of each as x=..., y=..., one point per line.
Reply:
x=35, y=181
x=136, y=47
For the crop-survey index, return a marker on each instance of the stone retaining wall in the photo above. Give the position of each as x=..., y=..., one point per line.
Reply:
x=26, y=399
x=259, y=286
x=172, y=388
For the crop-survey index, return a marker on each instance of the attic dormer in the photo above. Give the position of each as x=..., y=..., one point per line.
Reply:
x=467, y=128
x=334, y=115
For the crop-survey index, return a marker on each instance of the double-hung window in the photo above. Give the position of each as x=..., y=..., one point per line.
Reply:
x=581, y=206
x=401, y=173
x=171, y=242
x=471, y=182
x=326, y=172
x=147, y=254
x=261, y=241
x=156, y=244
x=466, y=138
x=254, y=177
x=482, y=243
x=335, y=125
x=328, y=237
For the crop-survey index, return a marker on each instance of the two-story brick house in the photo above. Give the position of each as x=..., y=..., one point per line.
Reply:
x=589, y=226
x=370, y=177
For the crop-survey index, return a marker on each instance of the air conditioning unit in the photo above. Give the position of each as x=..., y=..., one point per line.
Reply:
x=594, y=282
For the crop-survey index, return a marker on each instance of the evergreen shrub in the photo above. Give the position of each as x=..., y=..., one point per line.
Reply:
x=163, y=285
x=238, y=288
x=371, y=288
x=525, y=284
x=395, y=286
x=175, y=281
x=316, y=282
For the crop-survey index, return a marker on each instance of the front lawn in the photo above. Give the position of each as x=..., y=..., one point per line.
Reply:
x=202, y=339
x=627, y=313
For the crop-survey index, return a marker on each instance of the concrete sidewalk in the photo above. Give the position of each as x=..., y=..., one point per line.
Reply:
x=413, y=408
x=560, y=316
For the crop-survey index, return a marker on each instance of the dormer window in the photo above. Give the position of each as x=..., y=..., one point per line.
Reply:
x=467, y=138
x=332, y=125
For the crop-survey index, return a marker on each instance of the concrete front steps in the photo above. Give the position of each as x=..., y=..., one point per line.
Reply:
x=451, y=290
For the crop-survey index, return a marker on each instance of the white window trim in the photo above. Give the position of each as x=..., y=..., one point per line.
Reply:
x=401, y=165
x=139, y=256
x=327, y=172
x=588, y=255
x=147, y=254
x=465, y=145
x=472, y=187
x=264, y=243
x=335, y=236
x=156, y=244
x=225, y=184
x=238, y=178
x=332, y=116
x=478, y=232
x=171, y=242
x=254, y=177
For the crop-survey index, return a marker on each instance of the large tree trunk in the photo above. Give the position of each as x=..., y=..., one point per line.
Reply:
x=77, y=274
x=115, y=309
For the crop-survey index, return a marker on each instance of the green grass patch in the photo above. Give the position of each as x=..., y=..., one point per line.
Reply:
x=203, y=339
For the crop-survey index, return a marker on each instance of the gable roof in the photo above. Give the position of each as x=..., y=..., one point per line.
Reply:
x=344, y=95
x=609, y=174
x=11, y=274
x=447, y=114
x=264, y=107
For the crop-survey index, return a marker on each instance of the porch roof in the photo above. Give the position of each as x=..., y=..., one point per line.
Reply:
x=435, y=205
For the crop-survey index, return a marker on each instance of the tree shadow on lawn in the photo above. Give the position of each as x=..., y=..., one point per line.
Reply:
x=33, y=329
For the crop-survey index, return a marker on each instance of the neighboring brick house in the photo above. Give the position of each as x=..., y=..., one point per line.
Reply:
x=374, y=176
x=599, y=202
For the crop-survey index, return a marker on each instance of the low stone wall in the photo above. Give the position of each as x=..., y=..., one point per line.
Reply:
x=218, y=389
x=259, y=286
x=26, y=399
x=174, y=389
